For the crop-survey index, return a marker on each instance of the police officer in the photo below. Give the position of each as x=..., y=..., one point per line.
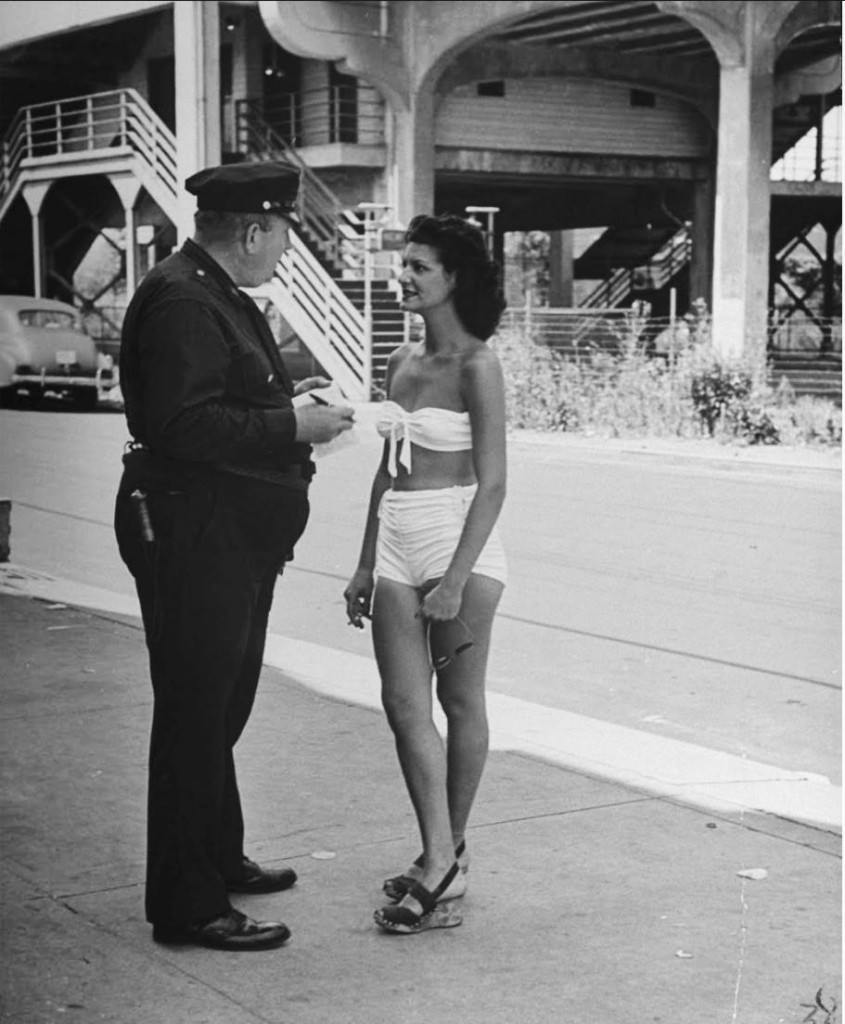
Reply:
x=213, y=497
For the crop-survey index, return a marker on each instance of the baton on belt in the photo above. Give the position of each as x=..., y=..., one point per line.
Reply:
x=139, y=499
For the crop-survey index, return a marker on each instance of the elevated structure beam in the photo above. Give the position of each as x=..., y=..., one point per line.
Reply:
x=196, y=30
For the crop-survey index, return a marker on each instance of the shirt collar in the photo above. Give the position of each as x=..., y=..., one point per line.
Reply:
x=210, y=266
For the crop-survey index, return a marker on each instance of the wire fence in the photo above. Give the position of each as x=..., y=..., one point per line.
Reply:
x=582, y=332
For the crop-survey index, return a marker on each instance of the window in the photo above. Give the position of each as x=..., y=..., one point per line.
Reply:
x=491, y=88
x=343, y=106
x=50, y=319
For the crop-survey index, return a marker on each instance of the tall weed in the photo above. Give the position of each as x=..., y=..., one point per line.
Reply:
x=632, y=394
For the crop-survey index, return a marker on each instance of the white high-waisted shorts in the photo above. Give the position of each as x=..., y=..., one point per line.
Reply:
x=419, y=532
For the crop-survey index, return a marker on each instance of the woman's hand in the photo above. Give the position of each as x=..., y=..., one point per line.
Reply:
x=309, y=383
x=442, y=602
x=358, y=596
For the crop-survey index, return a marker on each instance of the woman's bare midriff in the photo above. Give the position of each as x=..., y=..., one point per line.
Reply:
x=433, y=470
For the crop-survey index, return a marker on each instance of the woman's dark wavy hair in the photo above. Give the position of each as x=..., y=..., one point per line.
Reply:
x=478, y=297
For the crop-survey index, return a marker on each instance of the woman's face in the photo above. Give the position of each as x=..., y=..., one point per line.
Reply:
x=424, y=280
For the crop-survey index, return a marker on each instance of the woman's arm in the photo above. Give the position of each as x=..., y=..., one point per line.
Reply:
x=381, y=482
x=359, y=592
x=484, y=394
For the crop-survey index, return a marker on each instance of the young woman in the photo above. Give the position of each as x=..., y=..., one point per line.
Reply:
x=432, y=568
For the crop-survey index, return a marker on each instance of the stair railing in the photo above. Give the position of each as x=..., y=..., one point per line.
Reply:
x=98, y=122
x=324, y=318
x=328, y=223
x=662, y=267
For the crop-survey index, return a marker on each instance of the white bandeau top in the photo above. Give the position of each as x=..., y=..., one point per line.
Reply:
x=440, y=430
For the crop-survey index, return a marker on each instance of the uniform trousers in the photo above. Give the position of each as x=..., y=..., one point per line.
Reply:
x=205, y=585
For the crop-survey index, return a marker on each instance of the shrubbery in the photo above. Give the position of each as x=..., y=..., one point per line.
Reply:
x=631, y=394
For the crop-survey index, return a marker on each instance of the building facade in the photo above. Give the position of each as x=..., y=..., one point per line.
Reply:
x=655, y=123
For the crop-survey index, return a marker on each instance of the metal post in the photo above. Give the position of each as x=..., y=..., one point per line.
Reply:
x=130, y=252
x=373, y=214
x=828, y=289
x=123, y=118
x=819, y=168
x=37, y=257
x=673, y=308
x=490, y=215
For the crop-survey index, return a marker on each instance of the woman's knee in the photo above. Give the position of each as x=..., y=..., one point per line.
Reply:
x=459, y=706
x=404, y=715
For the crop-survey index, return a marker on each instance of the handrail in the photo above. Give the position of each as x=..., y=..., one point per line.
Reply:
x=663, y=266
x=310, y=300
x=324, y=318
x=339, y=113
x=84, y=124
x=303, y=290
x=320, y=211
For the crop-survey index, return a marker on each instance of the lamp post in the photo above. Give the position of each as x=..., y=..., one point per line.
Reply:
x=374, y=214
x=489, y=212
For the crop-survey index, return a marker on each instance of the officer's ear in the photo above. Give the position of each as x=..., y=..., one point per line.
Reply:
x=251, y=233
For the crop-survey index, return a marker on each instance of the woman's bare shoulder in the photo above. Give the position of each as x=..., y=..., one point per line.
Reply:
x=479, y=360
x=400, y=354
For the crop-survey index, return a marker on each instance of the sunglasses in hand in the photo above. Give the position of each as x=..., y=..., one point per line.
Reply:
x=446, y=640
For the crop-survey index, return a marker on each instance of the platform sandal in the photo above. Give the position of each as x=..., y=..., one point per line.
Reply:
x=397, y=886
x=438, y=910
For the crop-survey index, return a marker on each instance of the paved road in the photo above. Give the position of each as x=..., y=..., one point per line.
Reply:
x=689, y=598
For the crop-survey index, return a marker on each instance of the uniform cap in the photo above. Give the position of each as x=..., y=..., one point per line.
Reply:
x=266, y=187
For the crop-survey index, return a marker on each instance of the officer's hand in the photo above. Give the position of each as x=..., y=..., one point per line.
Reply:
x=310, y=383
x=317, y=424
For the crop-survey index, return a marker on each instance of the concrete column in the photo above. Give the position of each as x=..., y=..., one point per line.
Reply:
x=37, y=257
x=34, y=196
x=412, y=156
x=741, y=235
x=560, y=268
x=196, y=32
x=828, y=286
x=128, y=189
x=700, y=275
x=131, y=261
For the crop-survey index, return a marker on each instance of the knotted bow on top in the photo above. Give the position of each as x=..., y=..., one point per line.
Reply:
x=440, y=430
x=395, y=425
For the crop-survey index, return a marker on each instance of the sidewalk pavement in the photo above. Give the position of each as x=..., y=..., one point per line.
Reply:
x=677, y=450
x=589, y=902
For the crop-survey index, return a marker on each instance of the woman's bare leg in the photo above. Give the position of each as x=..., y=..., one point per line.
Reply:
x=402, y=656
x=461, y=692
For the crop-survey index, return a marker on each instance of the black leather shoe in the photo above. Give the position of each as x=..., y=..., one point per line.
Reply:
x=232, y=931
x=256, y=879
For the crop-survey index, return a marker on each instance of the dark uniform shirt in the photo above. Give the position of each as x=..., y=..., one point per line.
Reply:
x=202, y=378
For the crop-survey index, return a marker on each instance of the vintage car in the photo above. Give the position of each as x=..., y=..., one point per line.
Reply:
x=44, y=350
